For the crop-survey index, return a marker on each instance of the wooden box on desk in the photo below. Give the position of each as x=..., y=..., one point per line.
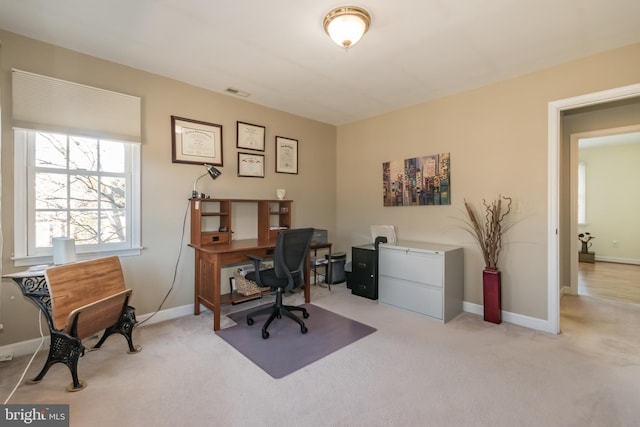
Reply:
x=214, y=238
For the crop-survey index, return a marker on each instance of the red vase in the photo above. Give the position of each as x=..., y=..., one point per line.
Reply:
x=491, y=295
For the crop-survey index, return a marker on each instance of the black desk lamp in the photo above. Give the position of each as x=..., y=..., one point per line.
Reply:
x=212, y=172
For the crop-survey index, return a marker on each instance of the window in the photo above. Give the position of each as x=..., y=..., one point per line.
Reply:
x=76, y=168
x=582, y=193
x=75, y=186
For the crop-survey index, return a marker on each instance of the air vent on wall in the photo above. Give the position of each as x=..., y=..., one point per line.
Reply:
x=237, y=92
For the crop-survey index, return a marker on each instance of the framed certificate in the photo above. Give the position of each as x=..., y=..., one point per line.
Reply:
x=195, y=142
x=286, y=155
x=251, y=165
x=250, y=137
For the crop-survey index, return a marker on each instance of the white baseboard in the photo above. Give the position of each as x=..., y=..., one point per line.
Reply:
x=514, y=318
x=25, y=347
x=618, y=260
x=168, y=314
x=28, y=347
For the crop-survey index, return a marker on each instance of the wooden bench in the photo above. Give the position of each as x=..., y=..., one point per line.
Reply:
x=86, y=298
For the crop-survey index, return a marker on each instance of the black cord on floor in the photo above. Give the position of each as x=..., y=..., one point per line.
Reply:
x=175, y=270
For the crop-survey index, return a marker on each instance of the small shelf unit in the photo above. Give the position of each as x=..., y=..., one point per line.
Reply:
x=211, y=219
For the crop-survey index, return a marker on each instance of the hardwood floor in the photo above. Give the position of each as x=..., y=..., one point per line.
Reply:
x=602, y=319
x=620, y=282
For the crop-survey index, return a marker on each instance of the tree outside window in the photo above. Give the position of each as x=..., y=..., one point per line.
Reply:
x=83, y=188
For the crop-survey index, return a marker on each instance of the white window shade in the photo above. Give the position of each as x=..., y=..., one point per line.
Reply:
x=54, y=105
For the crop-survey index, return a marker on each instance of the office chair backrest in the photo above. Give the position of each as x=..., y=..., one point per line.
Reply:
x=291, y=252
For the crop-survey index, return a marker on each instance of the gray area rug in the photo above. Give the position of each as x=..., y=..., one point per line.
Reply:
x=287, y=349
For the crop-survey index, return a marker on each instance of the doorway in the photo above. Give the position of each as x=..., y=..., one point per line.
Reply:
x=557, y=257
x=611, y=157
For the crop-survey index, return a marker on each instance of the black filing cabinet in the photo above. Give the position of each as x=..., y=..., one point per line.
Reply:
x=363, y=279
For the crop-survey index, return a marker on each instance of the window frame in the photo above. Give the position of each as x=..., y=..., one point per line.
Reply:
x=25, y=253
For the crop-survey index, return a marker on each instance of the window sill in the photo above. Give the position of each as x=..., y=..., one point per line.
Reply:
x=28, y=261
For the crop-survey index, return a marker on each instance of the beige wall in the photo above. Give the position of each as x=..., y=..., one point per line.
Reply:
x=613, y=200
x=498, y=139
x=166, y=186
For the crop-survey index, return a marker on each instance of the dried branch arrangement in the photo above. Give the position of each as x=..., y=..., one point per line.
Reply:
x=488, y=233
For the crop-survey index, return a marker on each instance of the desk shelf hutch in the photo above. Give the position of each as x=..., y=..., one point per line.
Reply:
x=211, y=237
x=211, y=219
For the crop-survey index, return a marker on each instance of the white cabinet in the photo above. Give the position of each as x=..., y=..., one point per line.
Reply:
x=425, y=278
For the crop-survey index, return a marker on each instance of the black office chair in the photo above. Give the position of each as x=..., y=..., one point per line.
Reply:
x=287, y=273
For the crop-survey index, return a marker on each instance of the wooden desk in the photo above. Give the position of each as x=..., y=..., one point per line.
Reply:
x=209, y=260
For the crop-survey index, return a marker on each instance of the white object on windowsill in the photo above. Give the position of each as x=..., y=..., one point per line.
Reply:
x=64, y=250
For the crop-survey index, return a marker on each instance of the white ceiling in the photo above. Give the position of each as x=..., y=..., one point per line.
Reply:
x=276, y=50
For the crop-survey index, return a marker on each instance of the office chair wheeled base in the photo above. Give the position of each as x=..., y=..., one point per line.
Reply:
x=292, y=247
x=277, y=311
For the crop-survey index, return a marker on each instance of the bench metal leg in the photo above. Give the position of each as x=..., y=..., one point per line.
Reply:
x=67, y=349
x=124, y=326
x=64, y=349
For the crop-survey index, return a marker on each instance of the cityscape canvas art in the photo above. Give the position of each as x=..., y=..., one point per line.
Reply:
x=418, y=181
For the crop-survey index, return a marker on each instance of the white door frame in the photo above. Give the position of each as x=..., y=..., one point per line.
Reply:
x=553, y=215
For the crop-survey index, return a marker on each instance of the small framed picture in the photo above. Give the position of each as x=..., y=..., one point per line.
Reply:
x=250, y=137
x=286, y=155
x=195, y=142
x=251, y=165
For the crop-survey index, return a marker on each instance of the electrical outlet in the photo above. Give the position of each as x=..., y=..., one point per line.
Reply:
x=614, y=243
x=5, y=357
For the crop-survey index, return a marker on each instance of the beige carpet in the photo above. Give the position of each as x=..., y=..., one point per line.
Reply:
x=411, y=372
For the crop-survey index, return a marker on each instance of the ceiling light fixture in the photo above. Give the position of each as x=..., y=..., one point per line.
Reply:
x=346, y=25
